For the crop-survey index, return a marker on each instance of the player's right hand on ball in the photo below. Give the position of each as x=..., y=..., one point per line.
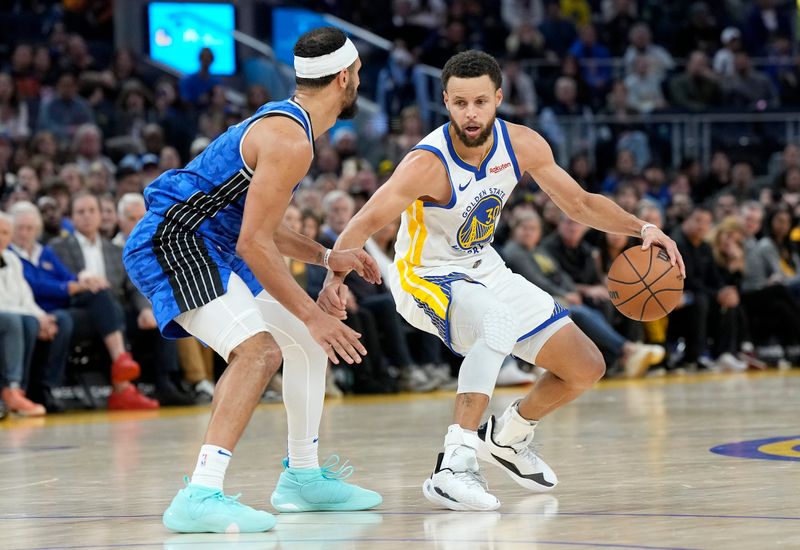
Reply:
x=336, y=338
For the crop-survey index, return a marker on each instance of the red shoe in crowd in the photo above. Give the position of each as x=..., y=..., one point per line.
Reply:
x=130, y=399
x=124, y=369
x=17, y=403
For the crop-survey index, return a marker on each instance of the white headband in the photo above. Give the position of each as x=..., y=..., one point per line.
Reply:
x=323, y=65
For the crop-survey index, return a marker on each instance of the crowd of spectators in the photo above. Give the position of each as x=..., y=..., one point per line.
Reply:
x=80, y=139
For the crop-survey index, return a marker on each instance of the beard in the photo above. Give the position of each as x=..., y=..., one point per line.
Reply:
x=350, y=109
x=477, y=141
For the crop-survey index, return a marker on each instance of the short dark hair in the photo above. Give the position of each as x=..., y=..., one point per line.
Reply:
x=315, y=43
x=472, y=64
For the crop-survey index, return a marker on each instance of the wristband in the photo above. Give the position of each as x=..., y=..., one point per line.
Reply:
x=646, y=227
x=326, y=257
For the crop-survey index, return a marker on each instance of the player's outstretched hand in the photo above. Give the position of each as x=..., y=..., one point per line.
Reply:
x=333, y=298
x=355, y=259
x=336, y=338
x=654, y=235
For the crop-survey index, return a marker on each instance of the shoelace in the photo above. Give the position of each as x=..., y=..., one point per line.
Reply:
x=530, y=451
x=343, y=472
x=219, y=495
x=471, y=478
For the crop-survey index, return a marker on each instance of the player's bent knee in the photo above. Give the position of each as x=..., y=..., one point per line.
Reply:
x=260, y=352
x=594, y=368
x=500, y=328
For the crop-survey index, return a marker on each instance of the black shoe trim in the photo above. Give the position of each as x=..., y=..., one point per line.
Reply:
x=538, y=478
x=482, y=429
x=442, y=493
x=439, y=460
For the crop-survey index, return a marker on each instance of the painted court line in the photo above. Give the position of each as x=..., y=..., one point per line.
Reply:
x=374, y=540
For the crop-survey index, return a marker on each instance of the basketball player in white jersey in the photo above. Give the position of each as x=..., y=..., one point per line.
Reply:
x=449, y=281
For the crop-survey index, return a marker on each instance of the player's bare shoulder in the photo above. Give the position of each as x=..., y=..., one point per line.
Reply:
x=530, y=148
x=423, y=175
x=277, y=137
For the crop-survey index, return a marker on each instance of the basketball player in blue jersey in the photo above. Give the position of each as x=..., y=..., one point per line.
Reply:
x=449, y=281
x=209, y=256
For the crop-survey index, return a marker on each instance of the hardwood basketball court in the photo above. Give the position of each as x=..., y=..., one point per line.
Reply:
x=634, y=460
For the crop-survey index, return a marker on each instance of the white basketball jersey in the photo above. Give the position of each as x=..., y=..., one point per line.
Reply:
x=460, y=232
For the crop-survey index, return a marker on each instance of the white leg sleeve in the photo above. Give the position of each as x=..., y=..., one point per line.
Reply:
x=304, y=364
x=485, y=330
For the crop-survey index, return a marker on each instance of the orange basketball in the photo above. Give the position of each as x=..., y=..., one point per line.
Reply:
x=643, y=285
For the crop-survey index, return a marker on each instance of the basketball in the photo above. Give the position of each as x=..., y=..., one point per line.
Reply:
x=643, y=284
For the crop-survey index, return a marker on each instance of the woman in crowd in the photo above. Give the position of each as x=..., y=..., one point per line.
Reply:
x=21, y=321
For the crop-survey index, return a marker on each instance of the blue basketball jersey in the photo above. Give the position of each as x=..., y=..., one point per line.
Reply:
x=181, y=254
x=207, y=196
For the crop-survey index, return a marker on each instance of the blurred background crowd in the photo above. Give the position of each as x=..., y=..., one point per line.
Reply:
x=685, y=113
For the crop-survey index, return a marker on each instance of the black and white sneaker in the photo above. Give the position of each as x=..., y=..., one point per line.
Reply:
x=461, y=488
x=518, y=460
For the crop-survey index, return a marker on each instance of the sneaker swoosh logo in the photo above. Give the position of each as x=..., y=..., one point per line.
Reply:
x=223, y=453
x=315, y=440
x=538, y=478
x=463, y=187
x=445, y=495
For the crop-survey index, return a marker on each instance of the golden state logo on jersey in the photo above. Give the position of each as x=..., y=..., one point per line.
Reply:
x=480, y=219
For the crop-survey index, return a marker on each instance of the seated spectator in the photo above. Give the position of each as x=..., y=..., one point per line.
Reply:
x=577, y=133
x=728, y=323
x=88, y=146
x=130, y=209
x=725, y=206
x=594, y=58
x=700, y=31
x=779, y=253
x=525, y=40
x=88, y=252
x=741, y=186
x=787, y=186
x=523, y=257
x=695, y=89
x=731, y=40
x=558, y=31
x=771, y=309
x=624, y=168
x=519, y=94
x=108, y=217
x=81, y=304
x=765, y=19
x=395, y=86
x=21, y=322
x=703, y=287
x=411, y=133
x=66, y=111
x=194, y=88
x=717, y=178
x=747, y=88
x=641, y=39
x=616, y=30
x=54, y=223
x=578, y=259
x=644, y=87
x=14, y=119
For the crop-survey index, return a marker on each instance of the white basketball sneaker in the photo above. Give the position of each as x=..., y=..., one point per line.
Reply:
x=508, y=444
x=457, y=483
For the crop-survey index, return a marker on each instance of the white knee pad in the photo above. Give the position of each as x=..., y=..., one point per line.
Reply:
x=499, y=327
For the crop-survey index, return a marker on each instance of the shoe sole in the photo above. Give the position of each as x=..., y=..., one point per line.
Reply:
x=174, y=524
x=436, y=498
x=487, y=457
x=332, y=507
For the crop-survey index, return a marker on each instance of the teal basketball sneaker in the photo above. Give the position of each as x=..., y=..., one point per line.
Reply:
x=199, y=509
x=321, y=489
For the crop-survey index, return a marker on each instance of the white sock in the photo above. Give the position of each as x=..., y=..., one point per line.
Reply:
x=211, y=465
x=303, y=453
x=511, y=427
